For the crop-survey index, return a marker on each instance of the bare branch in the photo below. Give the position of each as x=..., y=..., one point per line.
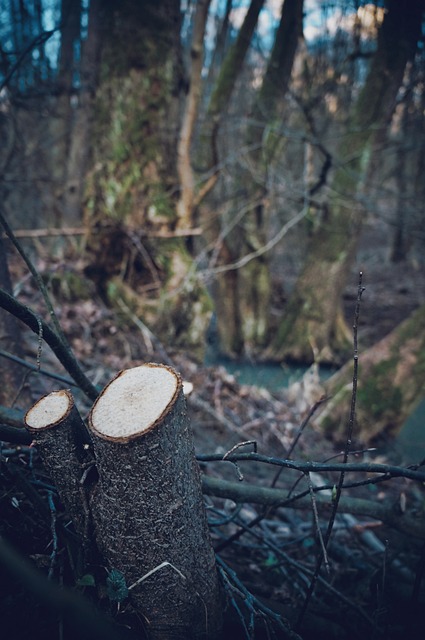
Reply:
x=245, y=492
x=64, y=355
x=390, y=471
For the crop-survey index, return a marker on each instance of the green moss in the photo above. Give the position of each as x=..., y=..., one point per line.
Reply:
x=377, y=395
x=162, y=202
x=328, y=424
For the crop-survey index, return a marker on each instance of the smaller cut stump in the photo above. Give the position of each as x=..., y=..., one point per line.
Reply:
x=63, y=442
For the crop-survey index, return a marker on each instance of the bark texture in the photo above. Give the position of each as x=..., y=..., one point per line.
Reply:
x=62, y=440
x=148, y=506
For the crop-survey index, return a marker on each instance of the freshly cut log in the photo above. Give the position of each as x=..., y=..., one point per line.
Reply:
x=63, y=442
x=150, y=520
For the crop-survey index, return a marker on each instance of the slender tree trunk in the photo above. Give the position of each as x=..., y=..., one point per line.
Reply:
x=62, y=108
x=82, y=122
x=243, y=314
x=399, y=247
x=313, y=320
x=12, y=388
x=222, y=92
x=185, y=203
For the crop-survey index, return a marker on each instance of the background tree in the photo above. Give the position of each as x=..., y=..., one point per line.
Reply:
x=136, y=140
x=133, y=251
x=313, y=321
x=243, y=291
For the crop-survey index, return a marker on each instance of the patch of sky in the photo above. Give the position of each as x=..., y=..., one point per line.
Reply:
x=84, y=18
x=273, y=377
x=50, y=20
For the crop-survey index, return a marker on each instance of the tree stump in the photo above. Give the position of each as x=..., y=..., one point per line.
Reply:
x=150, y=521
x=63, y=442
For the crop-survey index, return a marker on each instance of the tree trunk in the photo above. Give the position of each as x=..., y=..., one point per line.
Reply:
x=243, y=313
x=222, y=92
x=13, y=376
x=77, y=158
x=60, y=435
x=185, y=203
x=144, y=497
x=133, y=186
x=313, y=322
x=62, y=112
x=399, y=245
x=136, y=114
x=225, y=288
x=391, y=383
x=149, y=507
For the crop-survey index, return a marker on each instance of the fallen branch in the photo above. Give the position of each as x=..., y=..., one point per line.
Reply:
x=388, y=470
x=243, y=492
x=80, y=231
x=37, y=325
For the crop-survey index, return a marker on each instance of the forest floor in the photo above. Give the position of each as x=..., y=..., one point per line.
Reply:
x=374, y=588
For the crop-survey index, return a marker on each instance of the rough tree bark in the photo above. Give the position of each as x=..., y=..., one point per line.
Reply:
x=146, y=504
x=149, y=507
x=313, y=320
x=62, y=438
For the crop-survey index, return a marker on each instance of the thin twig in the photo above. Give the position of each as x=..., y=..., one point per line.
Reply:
x=253, y=604
x=298, y=435
x=35, y=368
x=53, y=555
x=337, y=497
x=307, y=466
x=238, y=446
x=317, y=523
x=287, y=560
x=233, y=449
x=38, y=279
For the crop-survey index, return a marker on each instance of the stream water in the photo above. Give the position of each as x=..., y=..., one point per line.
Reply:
x=273, y=377
x=409, y=444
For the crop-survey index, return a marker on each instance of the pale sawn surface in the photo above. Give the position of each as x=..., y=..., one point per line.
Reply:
x=134, y=401
x=48, y=410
